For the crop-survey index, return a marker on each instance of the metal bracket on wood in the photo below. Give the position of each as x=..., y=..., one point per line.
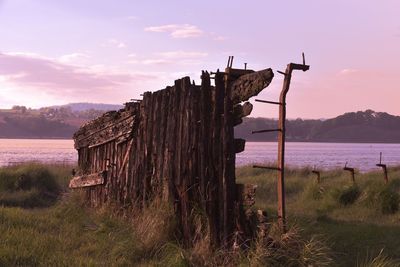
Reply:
x=281, y=72
x=351, y=170
x=384, y=168
x=230, y=62
x=268, y=102
x=267, y=167
x=266, y=131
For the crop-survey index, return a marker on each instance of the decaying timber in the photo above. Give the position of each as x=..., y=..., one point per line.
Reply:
x=177, y=145
x=250, y=84
x=88, y=180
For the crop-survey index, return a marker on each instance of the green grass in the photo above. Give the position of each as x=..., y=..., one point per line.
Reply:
x=32, y=185
x=64, y=235
x=358, y=220
x=334, y=223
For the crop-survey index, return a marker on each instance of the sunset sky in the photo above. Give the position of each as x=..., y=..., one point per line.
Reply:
x=56, y=52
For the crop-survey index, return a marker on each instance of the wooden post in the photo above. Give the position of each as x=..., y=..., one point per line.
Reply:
x=384, y=168
x=281, y=140
x=351, y=170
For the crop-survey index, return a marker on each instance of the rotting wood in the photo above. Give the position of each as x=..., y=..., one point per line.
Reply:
x=176, y=145
x=239, y=145
x=88, y=180
x=250, y=85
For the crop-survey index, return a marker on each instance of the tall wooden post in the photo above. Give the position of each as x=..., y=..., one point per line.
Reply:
x=281, y=140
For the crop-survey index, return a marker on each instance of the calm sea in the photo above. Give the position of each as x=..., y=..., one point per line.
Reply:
x=14, y=151
x=322, y=155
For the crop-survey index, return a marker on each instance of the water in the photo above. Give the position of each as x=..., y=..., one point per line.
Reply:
x=14, y=151
x=322, y=155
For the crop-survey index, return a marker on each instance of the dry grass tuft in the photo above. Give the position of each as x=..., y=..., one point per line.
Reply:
x=289, y=249
x=381, y=260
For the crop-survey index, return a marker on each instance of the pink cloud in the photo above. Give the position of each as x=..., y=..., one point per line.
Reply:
x=178, y=57
x=51, y=76
x=177, y=30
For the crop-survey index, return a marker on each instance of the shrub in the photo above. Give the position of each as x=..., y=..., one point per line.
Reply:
x=349, y=195
x=28, y=186
x=380, y=261
x=290, y=249
x=389, y=201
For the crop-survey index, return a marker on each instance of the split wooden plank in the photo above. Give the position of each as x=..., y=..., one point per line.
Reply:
x=88, y=180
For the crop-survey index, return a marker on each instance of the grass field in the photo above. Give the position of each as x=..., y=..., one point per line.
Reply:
x=41, y=224
x=358, y=221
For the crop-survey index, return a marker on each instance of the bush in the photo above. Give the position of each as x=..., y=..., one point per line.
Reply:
x=28, y=186
x=389, y=201
x=349, y=195
x=381, y=260
x=290, y=249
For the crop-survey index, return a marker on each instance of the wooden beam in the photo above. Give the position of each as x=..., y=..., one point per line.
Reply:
x=250, y=84
x=88, y=180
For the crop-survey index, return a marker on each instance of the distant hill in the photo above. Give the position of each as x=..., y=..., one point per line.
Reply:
x=353, y=127
x=88, y=106
x=48, y=122
x=62, y=121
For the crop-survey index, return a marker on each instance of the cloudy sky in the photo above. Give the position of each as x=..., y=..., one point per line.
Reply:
x=56, y=52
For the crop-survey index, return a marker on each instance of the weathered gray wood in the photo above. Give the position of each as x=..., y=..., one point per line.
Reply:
x=88, y=180
x=176, y=145
x=246, y=194
x=103, y=130
x=244, y=110
x=251, y=84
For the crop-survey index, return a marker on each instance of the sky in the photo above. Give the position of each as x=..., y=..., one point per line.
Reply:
x=55, y=52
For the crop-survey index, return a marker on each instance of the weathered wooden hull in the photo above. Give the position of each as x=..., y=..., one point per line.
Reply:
x=175, y=145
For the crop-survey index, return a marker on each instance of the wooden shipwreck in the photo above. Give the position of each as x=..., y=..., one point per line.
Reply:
x=176, y=145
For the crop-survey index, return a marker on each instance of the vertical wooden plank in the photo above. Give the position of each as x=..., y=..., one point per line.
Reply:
x=161, y=147
x=184, y=177
x=209, y=182
x=172, y=130
x=217, y=151
x=156, y=144
x=147, y=99
x=229, y=185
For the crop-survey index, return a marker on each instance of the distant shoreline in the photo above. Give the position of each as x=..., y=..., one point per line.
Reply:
x=247, y=141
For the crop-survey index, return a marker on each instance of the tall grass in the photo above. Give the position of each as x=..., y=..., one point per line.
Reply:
x=357, y=219
x=32, y=185
x=341, y=223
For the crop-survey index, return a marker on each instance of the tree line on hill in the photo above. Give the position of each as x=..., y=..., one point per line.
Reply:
x=353, y=127
x=62, y=121
x=47, y=122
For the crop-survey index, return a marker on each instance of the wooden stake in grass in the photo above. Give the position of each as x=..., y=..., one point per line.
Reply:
x=318, y=174
x=281, y=138
x=351, y=170
x=384, y=168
